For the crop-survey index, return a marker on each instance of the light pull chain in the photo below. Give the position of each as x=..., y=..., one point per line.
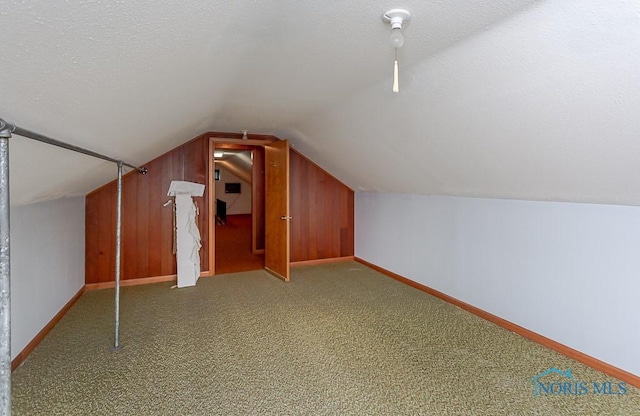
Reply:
x=395, y=72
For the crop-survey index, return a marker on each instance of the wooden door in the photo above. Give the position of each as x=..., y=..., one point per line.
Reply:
x=277, y=216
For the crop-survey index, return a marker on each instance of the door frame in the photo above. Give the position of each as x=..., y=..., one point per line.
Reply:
x=224, y=138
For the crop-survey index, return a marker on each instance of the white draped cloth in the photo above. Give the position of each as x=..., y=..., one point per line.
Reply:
x=194, y=232
x=186, y=228
x=188, y=240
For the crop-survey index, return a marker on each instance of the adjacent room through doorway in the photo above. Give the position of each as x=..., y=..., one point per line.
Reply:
x=235, y=249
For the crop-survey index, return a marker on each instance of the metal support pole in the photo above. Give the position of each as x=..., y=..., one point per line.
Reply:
x=5, y=275
x=48, y=140
x=6, y=129
x=116, y=341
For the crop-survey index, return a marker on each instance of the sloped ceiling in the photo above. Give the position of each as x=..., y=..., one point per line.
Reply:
x=238, y=162
x=499, y=98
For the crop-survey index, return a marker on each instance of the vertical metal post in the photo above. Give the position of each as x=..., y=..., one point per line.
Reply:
x=116, y=341
x=5, y=286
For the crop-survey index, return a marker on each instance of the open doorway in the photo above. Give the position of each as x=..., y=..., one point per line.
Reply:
x=238, y=175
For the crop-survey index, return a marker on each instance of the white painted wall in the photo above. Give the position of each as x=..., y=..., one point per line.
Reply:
x=236, y=203
x=567, y=271
x=47, y=264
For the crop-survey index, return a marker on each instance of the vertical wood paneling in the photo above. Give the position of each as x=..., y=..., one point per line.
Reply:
x=157, y=196
x=347, y=223
x=327, y=230
x=129, y=229
x=296, y=204
x=310, y=226
x=321, y=207
x=91, y=239
x=142, y=224
x=147, y=226
x=167, y=261
x=322, y=211
x=105, y=235
x=196, y=170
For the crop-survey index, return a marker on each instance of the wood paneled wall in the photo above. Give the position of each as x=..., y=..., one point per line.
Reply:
x=321, y=206
x=322, y=209
x=147, y=226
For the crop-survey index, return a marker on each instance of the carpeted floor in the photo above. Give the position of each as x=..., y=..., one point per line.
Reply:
x=339, y=339
x=233, y=246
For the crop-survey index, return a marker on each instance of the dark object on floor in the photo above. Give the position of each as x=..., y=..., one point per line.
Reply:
x=221, y=212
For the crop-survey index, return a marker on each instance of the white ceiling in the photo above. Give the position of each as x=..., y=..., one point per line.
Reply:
x=498, y=98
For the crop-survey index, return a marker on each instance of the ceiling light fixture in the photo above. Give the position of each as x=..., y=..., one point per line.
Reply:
x=396, y=18
x=217, y=154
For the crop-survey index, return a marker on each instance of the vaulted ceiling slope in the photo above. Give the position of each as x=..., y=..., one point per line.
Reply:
x=498, y=98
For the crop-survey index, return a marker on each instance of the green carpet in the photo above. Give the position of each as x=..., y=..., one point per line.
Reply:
x=338, y=339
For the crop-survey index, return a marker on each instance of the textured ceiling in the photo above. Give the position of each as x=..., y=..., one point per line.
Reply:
x=499, y=98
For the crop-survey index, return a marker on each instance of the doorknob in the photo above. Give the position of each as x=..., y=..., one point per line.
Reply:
x=285, y=218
